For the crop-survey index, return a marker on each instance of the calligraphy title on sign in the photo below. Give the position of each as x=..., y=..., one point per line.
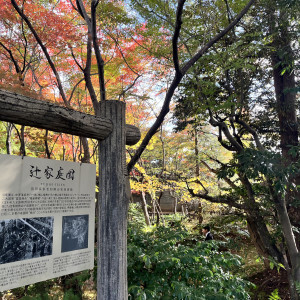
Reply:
x=49, y=172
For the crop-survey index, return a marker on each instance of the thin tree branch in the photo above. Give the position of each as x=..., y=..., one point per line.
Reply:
x=234, y=145
x=76, y=61
x=215, y=39
x=226, y=179
x=82, y=12
x=18, y=70
x=59, y=84
x=87, y=75
x=120, y=49
x=74, y=7
x=129, y=87
x=100, y=61
x=252, y=131
x=177, y=33
x=224, y=199
x=25, y=46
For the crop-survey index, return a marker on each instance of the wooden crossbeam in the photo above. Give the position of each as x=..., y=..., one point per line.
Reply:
x=27, y=111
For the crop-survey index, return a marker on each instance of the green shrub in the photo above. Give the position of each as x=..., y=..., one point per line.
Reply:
x=274, y=295
x=165, y=263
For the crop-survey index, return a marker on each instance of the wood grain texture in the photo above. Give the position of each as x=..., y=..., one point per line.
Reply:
x=112, y=207
x=23, y=110
x=19, y=109
x=133, y=134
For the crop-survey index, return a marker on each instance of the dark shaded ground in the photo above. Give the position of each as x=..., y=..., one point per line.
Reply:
x=267, y=281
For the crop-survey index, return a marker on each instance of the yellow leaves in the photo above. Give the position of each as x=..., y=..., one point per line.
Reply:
x=44, y=83
x=140, y=169
x=186, y=197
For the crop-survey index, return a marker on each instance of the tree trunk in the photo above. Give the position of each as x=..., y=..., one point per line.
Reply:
x=283, y=60
x=145, y=209
x=74, y=150
x=64, y=153
x=255, y=238
x=160, y=215
x=86, y=150
x=285, y=91
x=8, y=136
x=47, y=151
x=254, y=213
x=285, y=86
x=175, y=205
x=158, y=210
x=22, y=141
x=163, y=152
x=197, y=154
x=153, y=210
x=199, y=212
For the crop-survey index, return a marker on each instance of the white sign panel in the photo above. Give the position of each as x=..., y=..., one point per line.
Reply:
x=47, y=217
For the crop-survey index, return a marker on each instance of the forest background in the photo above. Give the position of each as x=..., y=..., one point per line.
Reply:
x=232, y=138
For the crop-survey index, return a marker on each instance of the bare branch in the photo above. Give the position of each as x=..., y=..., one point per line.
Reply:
x=215, y=39
x=200, y=183
x=121, y=51
x=74, y=7
x=229, y=15
x=82, y=12
x=25, y=46
x=74, y=88
x=87, y=69
x=87, y=75
x=215, y=159
x=176, y=34
x=18, y=70
x=76, y=61
x=100, y=61
x=234, y=145
x=129, y=87
x=226, y=179
x=224, y=199
x=252, y=131
x=92, y=35
x=159, y=120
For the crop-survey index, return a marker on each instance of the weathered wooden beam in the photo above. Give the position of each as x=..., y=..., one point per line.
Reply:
x=23, y=110
x=27, y=111
x=133, y=134
x=112, y=207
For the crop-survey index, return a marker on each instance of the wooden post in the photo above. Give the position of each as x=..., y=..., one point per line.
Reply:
x=113, y=207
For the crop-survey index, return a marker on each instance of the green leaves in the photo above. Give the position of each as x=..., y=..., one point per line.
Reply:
x=255, y=164
x=274, y=295
x=163, y=264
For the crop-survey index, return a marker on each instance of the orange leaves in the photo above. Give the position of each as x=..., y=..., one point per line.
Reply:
x=64, y=34
x=7, y=12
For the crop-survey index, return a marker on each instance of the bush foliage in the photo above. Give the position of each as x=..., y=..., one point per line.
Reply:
x=167, y=263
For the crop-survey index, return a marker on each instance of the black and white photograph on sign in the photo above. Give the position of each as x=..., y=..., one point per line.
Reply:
x=74, y=232
x=25, y=238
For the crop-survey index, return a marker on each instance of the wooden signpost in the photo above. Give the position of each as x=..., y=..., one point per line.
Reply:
x=113, y=134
